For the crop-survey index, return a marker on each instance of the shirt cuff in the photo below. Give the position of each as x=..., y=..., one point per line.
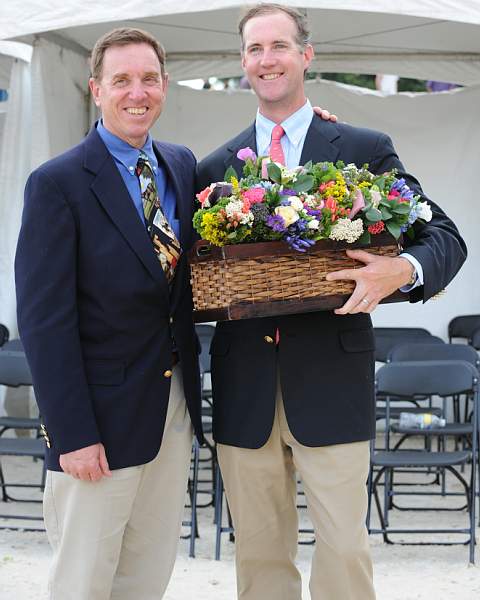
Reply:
x=418, y=271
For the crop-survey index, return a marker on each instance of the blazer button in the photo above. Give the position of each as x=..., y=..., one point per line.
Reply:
x=268, y=339
x=168, y=373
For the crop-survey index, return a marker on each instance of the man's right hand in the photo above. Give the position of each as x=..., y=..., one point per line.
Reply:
x=88, y=464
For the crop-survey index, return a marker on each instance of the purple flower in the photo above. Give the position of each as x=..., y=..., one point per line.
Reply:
x=288, y=192
x=277, y=223
x=246, y=153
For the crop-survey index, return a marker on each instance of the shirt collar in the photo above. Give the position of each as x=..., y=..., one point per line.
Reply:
x=123, y=152
x=295, y=126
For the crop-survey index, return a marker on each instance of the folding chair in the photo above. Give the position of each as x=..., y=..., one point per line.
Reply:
x=462, y=327
x=388, y=337
x=426, y=378
x=4, y=334
x=14, y=372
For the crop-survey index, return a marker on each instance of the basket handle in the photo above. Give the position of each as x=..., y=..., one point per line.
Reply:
x=203, y=249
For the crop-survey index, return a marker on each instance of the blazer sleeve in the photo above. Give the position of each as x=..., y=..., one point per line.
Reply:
x=46, y=283
x=438, y=246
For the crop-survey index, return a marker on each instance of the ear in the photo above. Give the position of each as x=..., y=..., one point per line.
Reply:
x=166, y=81
x=243, y=61
x=95, y=89
x=308, y=55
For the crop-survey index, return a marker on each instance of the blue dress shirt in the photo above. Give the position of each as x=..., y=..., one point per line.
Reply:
x=296, y=127
x=126, y=157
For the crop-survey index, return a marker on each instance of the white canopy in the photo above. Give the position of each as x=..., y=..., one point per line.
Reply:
x=429, y=39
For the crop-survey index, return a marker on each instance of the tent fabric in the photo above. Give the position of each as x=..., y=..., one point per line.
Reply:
x=47, y=15
x=412, y=38
x=9, y=53
x=14, y=168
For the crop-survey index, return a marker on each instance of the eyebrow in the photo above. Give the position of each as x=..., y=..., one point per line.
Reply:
x=279, y=41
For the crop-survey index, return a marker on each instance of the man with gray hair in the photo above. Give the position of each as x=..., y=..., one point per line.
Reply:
x=295, y=393
x=105, y=315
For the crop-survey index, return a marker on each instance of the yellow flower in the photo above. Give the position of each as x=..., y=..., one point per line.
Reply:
x=211, y=231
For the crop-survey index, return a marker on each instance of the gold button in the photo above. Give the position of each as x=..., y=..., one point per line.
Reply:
x=268, y=339
x=171, y=320
x=167, y=373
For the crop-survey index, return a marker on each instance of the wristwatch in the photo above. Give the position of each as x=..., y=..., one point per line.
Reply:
x=413, y=278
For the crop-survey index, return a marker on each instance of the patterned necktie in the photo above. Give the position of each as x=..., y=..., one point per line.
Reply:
x=165, y=242
x=276, y=150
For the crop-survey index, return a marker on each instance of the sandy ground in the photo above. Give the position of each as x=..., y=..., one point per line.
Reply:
x=401, y=572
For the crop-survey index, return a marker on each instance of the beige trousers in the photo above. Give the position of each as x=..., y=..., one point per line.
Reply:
x=261, y=490
x=117, y=538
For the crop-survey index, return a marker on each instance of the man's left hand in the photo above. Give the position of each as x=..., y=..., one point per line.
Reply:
x=325, y=114
x=380, y=277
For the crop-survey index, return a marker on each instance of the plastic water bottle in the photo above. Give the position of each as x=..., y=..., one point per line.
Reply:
x=420, y=421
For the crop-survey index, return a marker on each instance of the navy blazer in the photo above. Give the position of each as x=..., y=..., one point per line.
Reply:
x=95, y=312
x=326, y=360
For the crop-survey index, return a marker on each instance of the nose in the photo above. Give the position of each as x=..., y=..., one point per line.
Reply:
x=137, y=90
x=268, y=57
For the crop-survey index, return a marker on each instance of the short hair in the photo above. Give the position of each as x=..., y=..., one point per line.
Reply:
x=302, y=37
x=122, y=36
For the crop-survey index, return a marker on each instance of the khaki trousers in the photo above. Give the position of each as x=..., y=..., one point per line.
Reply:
x=117, y=538
x=261, y=490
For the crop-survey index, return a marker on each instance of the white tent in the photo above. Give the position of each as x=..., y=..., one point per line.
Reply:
x=437, y=135
x=431, y=39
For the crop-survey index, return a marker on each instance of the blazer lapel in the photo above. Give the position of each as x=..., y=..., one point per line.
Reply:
x=111, y=192
x=184, y=205
x=319, y=143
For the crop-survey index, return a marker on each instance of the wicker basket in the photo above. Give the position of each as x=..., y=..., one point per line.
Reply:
x=256, y=280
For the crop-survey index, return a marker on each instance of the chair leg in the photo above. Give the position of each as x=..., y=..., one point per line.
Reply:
x=218, y=511
x=194, y=527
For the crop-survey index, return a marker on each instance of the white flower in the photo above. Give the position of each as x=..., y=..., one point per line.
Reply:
x=288, y=213
x=234, y=210
x=424, y=211
x=376, y=197
x=310, y=200
x=313, y=224
x=346, y=230
x=296, y=203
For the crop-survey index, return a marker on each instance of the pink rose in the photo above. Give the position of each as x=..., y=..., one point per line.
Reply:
x=204, y=195
x=254, y=195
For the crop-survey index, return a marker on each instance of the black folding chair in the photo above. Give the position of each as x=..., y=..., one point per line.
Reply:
x=426, y=378
x=462, y=327
x=4, y=334
x=14, y=372
x=388, y=337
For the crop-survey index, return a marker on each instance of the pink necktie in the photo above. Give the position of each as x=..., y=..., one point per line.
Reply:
x=277, y=155
x=276, y=150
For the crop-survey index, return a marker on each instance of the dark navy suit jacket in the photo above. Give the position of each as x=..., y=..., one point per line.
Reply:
x=95, y=312
x=326, y=361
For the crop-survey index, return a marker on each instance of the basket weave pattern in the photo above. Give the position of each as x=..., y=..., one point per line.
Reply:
x=291, y=276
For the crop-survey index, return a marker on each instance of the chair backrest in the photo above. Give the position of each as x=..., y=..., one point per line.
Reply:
x=205, y=334
x=463, y=326
x=433, y=351
x=4, y=334
x=14, y=369
x=388, y=337
x=475, y=341
x=426, y=378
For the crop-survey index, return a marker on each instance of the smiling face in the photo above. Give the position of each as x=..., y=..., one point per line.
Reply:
x=130, y=92
x=275, y=65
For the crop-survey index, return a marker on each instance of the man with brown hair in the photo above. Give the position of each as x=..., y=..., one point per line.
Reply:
x=296, y=393
x=105, y=315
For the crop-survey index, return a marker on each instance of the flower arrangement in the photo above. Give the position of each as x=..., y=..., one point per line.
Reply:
x=302, y=205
